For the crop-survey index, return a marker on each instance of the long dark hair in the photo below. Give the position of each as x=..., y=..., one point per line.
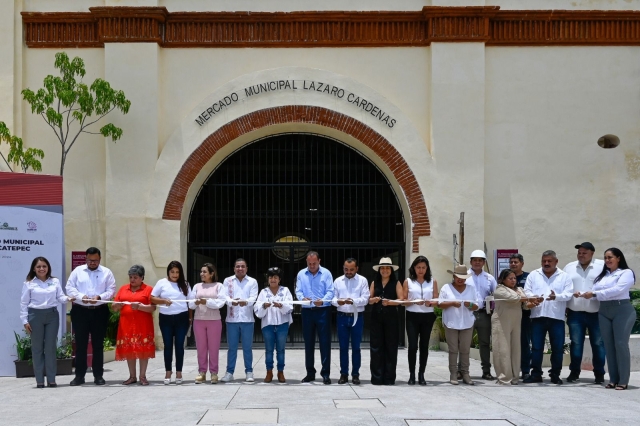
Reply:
x=212, y=270
x=32, y=272
x=392, y=278
x=504, y=274
x=621, y=265
x=182, y=282
x=412, y=268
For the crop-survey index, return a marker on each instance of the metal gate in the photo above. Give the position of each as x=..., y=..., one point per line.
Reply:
x=275, y=199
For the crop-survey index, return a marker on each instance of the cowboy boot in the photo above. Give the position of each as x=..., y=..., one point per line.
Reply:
x=269, y=377
x=281, y=376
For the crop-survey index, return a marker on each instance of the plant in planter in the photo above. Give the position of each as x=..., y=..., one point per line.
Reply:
x=24, y=363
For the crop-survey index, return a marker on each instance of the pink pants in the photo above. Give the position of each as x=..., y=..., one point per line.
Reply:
x=208, y=333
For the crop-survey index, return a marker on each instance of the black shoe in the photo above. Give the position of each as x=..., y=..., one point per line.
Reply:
x=573, y=377
x=39, y=386
x=532, y=379
x=421, y=379
x=99, y=381
x=355, y=380
x=556, y=380
x=599, y=379
x=343, y=379
x=326, y=380
x=525, y=376
x=308, y=379
x=389, y=383
x=52, y=385
x=487, y=376
x=77, y=382
x=412, y=379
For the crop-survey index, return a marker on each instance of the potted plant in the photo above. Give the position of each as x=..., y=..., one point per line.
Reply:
x=109, y=350
x=24, y=363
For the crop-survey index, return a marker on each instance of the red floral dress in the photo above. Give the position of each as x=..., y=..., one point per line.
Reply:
x=135, y=329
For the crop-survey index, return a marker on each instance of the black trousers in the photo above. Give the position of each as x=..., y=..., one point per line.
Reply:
x=419, y=325
x=384, y=346
x=85, y=322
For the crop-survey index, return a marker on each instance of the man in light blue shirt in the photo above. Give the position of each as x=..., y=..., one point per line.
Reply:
x=315, y=284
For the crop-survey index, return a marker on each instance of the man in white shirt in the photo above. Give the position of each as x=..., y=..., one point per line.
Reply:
x=89, y=284
x=351, y=295
x=239, y=292
x=553, y=288
x=485, y=285
x=582, y=314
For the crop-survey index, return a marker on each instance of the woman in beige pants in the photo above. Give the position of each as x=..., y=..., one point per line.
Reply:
x=505, y=328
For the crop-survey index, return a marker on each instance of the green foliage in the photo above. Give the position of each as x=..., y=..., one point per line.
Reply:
x=438, y=325
x=17, y=154
x=108, y=344
x=635, y=301
x=112, y=326
x=65, y=348
x=23, y=346
x=70, y=107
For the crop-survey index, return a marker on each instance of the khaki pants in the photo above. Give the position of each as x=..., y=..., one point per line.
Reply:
x=459, y=343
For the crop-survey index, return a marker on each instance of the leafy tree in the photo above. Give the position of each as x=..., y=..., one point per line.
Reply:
x=17, y=154
x=70, y=107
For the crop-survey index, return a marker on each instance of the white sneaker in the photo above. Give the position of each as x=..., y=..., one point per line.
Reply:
x=227, y=377
x=249, y=377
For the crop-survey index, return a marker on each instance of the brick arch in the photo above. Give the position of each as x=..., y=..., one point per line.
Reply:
x=302, y=114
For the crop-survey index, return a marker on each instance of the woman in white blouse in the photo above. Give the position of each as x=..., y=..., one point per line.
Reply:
x=418, y=290
x=41, y=295
x=272, y=307
x=174, y=318
x=617, y=315
x=458, y=300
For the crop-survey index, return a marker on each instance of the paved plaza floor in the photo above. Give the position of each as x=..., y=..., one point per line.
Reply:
x=293, y=403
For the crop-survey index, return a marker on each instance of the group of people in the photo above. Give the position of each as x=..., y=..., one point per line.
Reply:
x=512, y=316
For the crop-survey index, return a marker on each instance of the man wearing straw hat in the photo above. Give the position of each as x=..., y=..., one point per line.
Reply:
x=485, y=285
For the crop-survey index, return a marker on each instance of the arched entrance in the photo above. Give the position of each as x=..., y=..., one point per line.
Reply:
x=280, y=196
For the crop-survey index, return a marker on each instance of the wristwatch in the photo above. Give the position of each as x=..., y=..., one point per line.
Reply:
x=594, y=295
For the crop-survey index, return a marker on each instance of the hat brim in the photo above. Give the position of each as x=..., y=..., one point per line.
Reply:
x=461, y=276
x=578, y=246
x=376, y=267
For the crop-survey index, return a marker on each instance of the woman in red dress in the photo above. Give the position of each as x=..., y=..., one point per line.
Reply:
x=135, y=329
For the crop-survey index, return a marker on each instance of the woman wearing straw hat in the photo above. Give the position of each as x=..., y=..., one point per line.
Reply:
x=460, y=300
x=384, y=289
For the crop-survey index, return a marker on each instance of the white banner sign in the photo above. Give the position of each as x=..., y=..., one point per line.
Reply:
x=25, y=233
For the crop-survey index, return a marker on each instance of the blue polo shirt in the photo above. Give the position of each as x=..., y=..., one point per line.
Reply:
x=314, y=287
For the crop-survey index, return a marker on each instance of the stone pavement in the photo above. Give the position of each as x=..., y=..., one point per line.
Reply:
x=439, y=403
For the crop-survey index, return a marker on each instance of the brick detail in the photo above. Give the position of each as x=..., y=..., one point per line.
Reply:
x=303, y=114
x=486, y=24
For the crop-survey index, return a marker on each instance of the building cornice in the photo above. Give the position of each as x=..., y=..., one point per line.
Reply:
x=488, y=24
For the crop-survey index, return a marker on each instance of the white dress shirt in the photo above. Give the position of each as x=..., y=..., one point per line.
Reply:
x=37, y=294
x=539, y=285
x=246, y=290
x=614, y=285
x=166, y=289
x=273, y=315
x=356, y=289
x=583, y=282
x=484, y=283
x=422, y=291
x=85, y=282
x=458, y=318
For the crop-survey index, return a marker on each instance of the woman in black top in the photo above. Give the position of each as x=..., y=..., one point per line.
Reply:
x=384, y=323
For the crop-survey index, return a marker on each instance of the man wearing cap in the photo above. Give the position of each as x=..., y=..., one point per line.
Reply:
x=315, y=284
x=552, y=288
x=582, y=314
x=485, y=285
x=516, y=262
x=351, y=295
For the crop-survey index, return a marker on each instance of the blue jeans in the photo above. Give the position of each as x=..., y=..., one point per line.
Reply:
x=346, y=332
x=539, y=329
x=525, y=342
x=275, y=336
x=174, y=327
x=578, y=323
x=237, y=331
x=317, y=320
